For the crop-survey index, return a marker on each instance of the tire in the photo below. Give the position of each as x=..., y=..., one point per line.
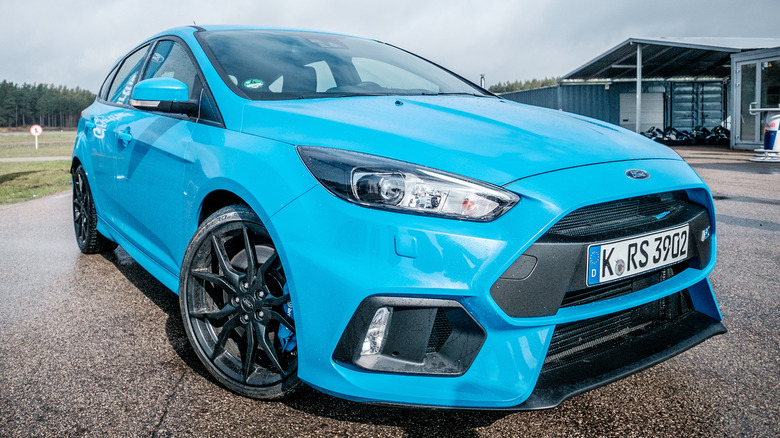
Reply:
x=236, y=308
x=88, y=238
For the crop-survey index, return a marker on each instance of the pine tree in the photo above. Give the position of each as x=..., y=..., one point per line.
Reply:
x=27, y=104
x=508, y=87
x=7, y=104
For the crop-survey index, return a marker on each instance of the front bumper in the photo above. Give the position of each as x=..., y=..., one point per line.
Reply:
x=337, y=255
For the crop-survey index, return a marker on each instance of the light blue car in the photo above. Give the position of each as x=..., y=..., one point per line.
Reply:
x=337, y=211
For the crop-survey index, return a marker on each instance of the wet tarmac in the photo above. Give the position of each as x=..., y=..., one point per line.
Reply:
x=93, y=346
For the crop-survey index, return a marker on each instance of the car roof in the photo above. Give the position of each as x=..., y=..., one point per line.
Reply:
x=191, y=29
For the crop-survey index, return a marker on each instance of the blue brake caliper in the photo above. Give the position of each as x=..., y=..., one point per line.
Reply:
x=286, y=337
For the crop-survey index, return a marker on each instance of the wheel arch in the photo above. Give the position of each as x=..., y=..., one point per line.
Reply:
x=216, y=200
x=223, y=195
x=75, y=162
x=80, y=155
x=218, y=193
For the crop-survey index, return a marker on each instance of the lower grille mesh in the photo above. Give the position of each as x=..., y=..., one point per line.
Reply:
x=441, y=331
x=581, y=340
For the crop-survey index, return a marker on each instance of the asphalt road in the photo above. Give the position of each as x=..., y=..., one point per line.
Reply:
x=93, y=345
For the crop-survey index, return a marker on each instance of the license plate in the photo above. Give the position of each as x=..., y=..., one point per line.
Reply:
x=629, y=257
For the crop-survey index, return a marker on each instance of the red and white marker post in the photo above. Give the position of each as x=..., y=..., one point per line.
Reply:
x=36, y=130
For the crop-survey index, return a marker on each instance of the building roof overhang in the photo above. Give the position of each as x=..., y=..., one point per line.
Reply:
x=668, y=59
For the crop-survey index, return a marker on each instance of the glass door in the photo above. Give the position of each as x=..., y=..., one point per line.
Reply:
x=759, y=84
x=770, y=87
x=770, y=83
x=748, y=123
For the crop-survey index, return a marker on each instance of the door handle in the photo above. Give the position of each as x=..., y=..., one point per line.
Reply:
x=125, y=136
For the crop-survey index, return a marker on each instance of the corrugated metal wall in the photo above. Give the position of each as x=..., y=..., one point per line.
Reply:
x=697, y=104
x=688, y=104
x=595, y=101
x=546, y=97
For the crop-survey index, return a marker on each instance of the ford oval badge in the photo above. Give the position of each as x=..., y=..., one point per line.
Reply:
x=637, y=174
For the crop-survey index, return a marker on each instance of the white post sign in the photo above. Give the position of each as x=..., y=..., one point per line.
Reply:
x=36, y=130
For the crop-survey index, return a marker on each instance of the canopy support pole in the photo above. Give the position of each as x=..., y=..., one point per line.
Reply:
x=638, y=86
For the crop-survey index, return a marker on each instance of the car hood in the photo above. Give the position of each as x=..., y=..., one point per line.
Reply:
x=489, y=139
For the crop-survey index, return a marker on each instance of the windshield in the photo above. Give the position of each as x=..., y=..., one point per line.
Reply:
x=271, y=65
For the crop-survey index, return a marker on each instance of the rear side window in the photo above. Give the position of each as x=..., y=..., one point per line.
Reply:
x=106, y=84
x=126, y=77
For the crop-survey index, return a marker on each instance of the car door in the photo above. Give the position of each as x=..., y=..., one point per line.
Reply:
x=151, y=162
x=101, y=135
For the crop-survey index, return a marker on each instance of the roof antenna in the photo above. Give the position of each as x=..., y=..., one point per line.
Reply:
x=193, y=23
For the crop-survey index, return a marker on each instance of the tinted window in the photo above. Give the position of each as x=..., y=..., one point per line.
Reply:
x=171, y=60
x=290, y=65
x=104, y=88
x=126, y=77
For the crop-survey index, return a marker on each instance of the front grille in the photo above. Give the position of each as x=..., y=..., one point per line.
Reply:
x=610, y=217
x=581, y=340
x=552, y=273
x=622, y=287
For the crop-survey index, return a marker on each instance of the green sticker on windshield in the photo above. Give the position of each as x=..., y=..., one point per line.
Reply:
x=253, y=83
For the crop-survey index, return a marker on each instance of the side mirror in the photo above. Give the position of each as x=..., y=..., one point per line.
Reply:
x=165, y=95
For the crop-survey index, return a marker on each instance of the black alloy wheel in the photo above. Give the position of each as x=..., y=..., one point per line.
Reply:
x=235, y=307
x=88, y=238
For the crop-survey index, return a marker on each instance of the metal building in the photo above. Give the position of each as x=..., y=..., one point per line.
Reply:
x=684, y=83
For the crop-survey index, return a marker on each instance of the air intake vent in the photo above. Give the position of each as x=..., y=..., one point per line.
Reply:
x=578, y=341
x=440, y=332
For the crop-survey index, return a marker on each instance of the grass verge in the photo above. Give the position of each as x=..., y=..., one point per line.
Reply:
x=52, y=144
x=29, y=180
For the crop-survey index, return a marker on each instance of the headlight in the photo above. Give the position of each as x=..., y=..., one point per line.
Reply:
x=377, y=182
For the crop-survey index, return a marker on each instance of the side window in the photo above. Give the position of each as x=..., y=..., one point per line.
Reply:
x=126, y=77
x=171, y=60
x=103, y=94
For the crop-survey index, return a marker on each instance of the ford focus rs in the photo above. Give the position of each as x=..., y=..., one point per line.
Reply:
x=339, y=212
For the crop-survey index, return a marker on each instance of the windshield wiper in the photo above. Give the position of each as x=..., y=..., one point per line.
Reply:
x=457, y=94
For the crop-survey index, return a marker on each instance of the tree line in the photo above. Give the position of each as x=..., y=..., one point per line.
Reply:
x=43, y=104
x=506, y=87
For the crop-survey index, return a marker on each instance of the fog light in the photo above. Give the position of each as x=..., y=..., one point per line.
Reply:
x=375, y=335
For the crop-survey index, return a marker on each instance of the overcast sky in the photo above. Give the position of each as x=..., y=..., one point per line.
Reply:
x=74, y=42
